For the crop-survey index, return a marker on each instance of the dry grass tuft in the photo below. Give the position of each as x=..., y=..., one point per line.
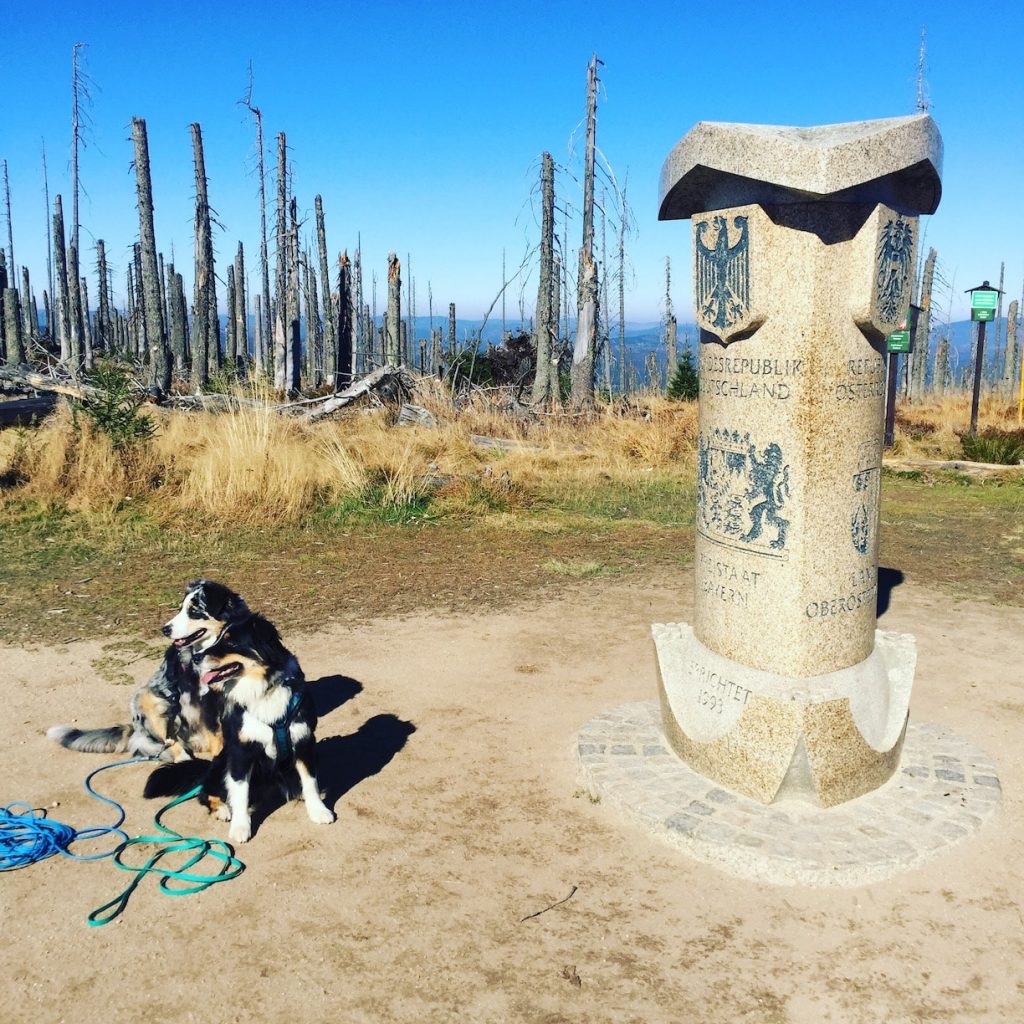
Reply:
x=257, y=466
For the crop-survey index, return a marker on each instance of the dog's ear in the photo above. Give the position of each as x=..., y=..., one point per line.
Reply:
x=193, y=585
x=221, y=602
x=266, y=641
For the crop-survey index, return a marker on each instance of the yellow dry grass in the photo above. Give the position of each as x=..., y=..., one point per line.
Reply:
x=256, y=465
x=932, y=429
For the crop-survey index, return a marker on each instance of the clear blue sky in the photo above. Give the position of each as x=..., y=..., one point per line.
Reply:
x=421, y=124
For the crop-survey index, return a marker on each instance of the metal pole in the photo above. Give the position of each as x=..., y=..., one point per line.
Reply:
x=977, y=377
x=890, y=399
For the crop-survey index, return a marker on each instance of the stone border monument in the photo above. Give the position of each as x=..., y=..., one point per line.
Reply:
x=804, y=256
x=804, y=243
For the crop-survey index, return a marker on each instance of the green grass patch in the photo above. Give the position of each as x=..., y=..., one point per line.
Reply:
x=577, y=569
x=648, y=498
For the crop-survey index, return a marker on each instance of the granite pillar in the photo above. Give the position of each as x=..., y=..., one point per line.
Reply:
x=804, y=254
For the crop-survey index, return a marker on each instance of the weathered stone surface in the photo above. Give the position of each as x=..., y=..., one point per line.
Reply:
x=716, y=166
x=825, y=739
x=804, y=249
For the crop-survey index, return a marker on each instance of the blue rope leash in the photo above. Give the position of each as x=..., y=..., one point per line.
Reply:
x=27, y=836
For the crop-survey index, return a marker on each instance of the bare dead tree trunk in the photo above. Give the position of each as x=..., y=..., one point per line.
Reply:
x=259, y=342
x=542, y=394
x=49, y=241
x=280, y=361
x=78, y=89
x=230, y=338
x=331, y=332
x=203, y=269
x=102, y=336
x=132, y=340
x=176, y=322
x=62, y=301
x=75, y=314
x=240, y=312
x=623, y=383
x=361, y=361
x=142, y=340
x=10, y=228
x=1010, y=351
x=995, y=359
x=294, y=355
x=940, y=367
x=451, y=331
x=14, y=339
x=393, y=338
x=29, y=319
x=83, y=287
x=314, y=335
x=159, y=362
x=585, y=349
x=264, y=330
x=919, y=357
x=345, y=370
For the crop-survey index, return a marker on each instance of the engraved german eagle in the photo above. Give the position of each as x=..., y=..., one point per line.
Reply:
x=723, y=274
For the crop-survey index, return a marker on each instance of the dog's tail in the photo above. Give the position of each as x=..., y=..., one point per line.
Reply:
x=112, y=740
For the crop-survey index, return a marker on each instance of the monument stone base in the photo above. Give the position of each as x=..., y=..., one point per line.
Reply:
x=823, y=740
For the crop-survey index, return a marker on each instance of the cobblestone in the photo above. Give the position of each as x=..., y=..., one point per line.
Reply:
x=944, y=793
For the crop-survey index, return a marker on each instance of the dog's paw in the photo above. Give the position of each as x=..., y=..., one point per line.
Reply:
x=320, y=814
x=222, y=811
x=240, y=832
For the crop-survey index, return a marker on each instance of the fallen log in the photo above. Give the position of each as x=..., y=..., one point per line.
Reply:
x=38, y=382
x=385, y=376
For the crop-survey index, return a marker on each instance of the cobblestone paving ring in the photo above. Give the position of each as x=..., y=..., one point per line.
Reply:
x=943, y=792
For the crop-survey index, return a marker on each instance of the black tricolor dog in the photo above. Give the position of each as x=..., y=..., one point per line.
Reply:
x=268, y=724
x=171, y=718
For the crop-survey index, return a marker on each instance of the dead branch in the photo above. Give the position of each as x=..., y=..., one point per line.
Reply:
x=537, y=913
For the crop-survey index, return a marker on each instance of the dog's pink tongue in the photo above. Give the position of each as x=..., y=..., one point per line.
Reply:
x=208, y=677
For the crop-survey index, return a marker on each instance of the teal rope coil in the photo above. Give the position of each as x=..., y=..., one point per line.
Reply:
x=170, y=842
x=27, y=836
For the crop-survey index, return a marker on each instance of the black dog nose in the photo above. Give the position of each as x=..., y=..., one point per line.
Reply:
x=166, y=630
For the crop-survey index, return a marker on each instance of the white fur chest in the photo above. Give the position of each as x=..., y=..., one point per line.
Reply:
x=261, y=712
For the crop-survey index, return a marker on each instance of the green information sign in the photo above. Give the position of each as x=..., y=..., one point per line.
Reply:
x=898, y=341
x=983, y=304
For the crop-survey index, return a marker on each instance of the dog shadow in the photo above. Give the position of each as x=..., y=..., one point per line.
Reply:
x=888, y=581
x=330, y=692
x=345, y=761
x=342, y=763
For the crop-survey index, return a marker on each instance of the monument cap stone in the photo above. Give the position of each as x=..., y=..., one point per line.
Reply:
x=896, y=161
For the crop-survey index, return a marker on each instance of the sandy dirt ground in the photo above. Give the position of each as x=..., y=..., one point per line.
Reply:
x=446, y=745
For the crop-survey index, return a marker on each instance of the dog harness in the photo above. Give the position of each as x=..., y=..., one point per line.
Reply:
x=282, y=736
